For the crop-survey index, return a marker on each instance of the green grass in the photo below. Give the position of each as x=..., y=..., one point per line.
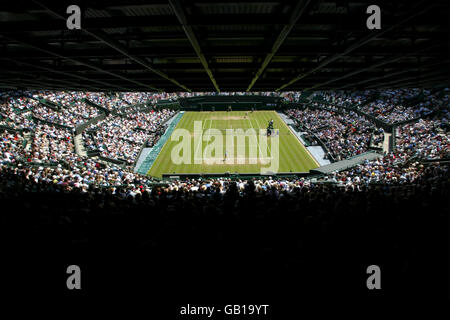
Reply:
x=293, y=156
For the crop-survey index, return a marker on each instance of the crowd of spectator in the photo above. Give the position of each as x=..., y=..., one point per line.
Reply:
x=345, y=134
x=50, y=144
x=426, y=139
x=44, y=151
x=395, y=106
x=391, y=106
x=120, y=136
x=71, y=116
x=63, y=98
x=16, y=109
x=11, y=146
x=342, y=98
x=438, y=100
x=111, y=102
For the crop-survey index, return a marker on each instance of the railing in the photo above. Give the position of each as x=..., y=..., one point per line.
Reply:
x=62, y=126
x=11, y=129
x=101, y=108
x=80, y=128
x=97, y=153
x=49, y=104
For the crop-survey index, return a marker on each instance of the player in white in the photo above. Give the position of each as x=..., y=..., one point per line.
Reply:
x=225, y=156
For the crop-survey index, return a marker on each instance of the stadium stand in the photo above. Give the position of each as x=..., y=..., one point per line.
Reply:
x=122, y=136
x=124, y=209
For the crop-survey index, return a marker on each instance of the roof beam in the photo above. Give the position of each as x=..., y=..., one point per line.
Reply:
x=40, y=77
x=438, y=80
x=415, y=78
x=182, y=52
x=73, y=75
x=392, y=74
x=106, y=39
x=31, y=83
x=385, y=76
x=113, y=44
x=414, y=12
x=102, y=36
x=349, y=24
x=179, y=12
x=186, y=69
x=373, y=66
x=51, y=51
x=296, y=14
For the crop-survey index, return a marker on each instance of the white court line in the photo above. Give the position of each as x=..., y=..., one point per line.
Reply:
x=268, y=149
x=257, y=136
x=199, y=142
x=210, y=124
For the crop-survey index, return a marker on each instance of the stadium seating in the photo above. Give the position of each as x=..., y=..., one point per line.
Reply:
x=121, y=135
x=54, y=192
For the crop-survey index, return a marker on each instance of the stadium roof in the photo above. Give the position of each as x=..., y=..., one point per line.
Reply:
x=198, y=45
